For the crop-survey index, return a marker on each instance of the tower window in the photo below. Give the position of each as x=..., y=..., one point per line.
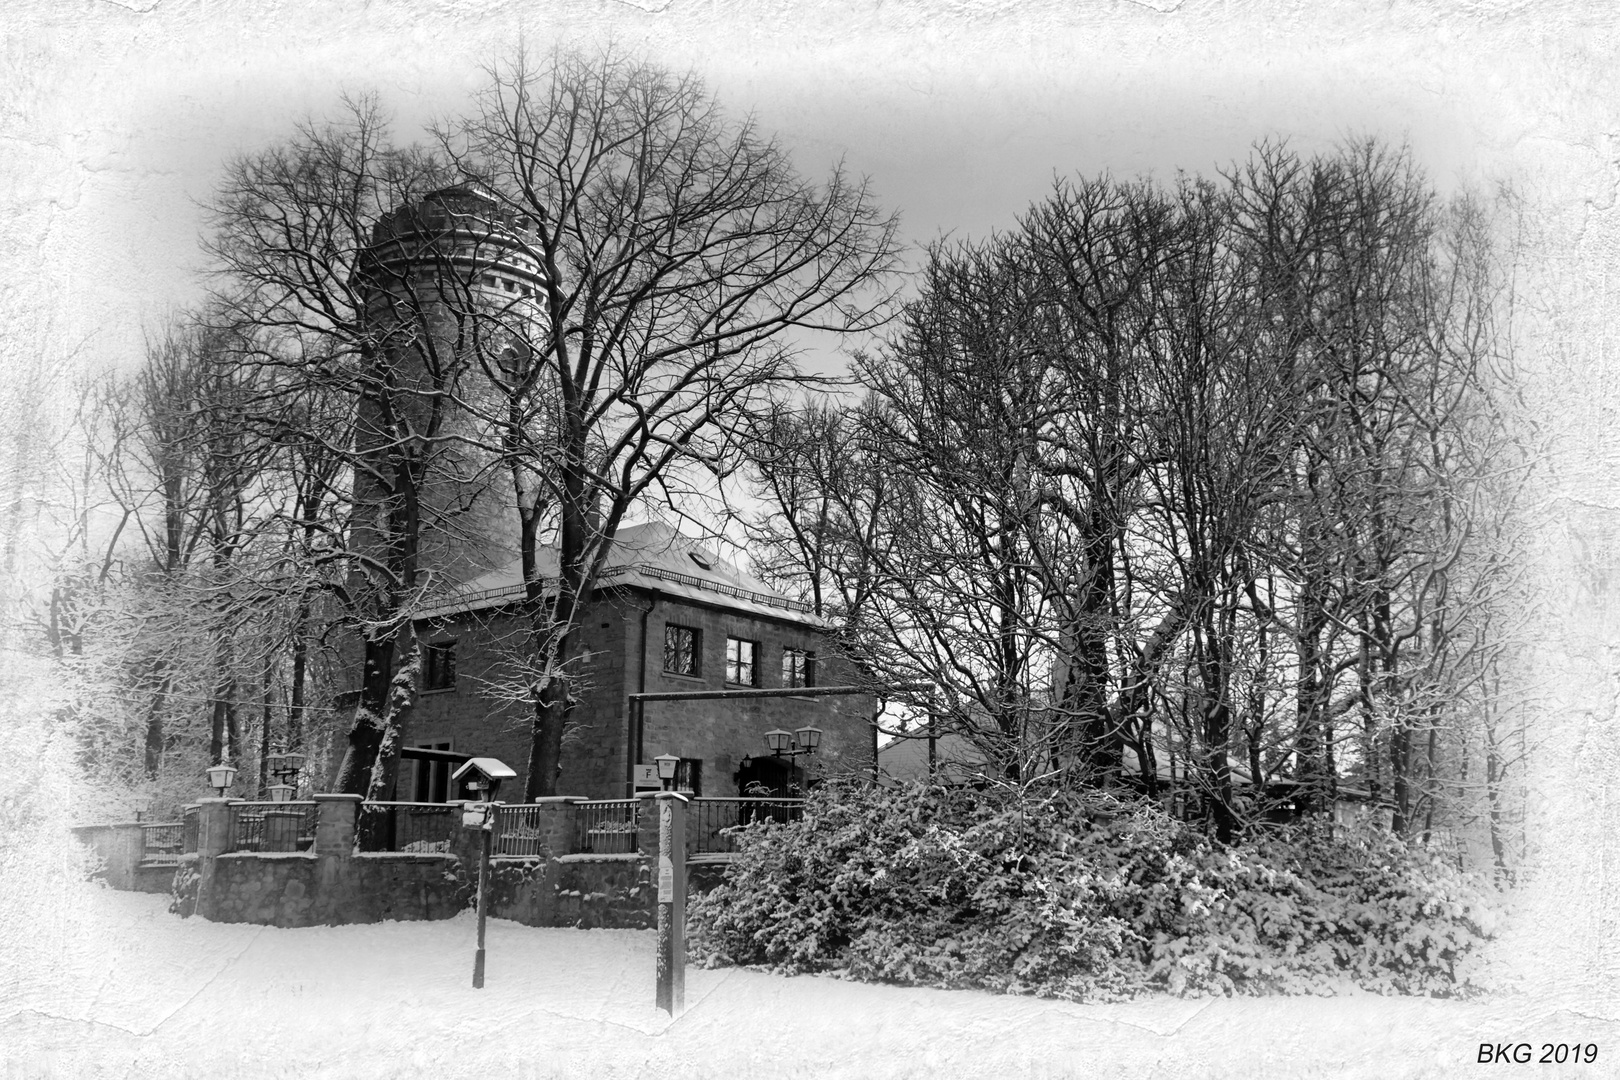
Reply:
x=682, y=650
x=439, y=669
x=740, y=667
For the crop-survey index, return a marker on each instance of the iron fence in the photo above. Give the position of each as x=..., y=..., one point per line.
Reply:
x=271, y=826
x=519, y=831
x=607, y=826
x=419, y=828
x=188, y=830
x=161, y=844
x=709, y=819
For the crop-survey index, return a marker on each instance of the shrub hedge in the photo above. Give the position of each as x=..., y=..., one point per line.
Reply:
x=1081, y=895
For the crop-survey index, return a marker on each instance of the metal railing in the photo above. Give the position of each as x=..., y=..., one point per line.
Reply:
x=189, y=828
x=161, y=844
x=708, y=820
x=519, y=831
x=270, y=826
x=419, y=828
x=607, y=827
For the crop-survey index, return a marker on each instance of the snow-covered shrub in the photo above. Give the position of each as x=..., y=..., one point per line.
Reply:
x=1081, y=895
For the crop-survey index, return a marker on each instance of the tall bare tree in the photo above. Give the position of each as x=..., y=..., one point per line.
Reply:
x=676, y=248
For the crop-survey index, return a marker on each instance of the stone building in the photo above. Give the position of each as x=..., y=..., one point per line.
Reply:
x=451, y=286
x=669, y=617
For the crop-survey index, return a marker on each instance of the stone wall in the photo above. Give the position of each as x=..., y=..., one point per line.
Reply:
x=328, y=885
x=332, y=884
x=121, y=848
x=583, y=891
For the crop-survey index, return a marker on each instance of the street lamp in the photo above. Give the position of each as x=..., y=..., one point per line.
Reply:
x=791, y=744
x=667, y=764
x=284, y=767
x=221, y=777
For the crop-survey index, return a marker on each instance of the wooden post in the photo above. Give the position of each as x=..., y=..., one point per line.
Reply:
x=671, y=881
x=488, y=830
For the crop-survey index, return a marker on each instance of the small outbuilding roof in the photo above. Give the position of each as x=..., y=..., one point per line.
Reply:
x=494, y=768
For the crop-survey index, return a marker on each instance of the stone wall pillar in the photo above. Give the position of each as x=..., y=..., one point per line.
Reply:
x=213, y=834
x=558, y=818
x=335, y=817
x=123, y=852
x=334, y=825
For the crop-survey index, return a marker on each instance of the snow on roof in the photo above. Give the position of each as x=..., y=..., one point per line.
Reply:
x=652, y=556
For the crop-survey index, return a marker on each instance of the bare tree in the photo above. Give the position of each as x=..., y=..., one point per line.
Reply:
x=292, y=227
x=674, y=249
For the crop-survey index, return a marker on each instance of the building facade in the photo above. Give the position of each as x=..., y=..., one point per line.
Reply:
x=669, y=618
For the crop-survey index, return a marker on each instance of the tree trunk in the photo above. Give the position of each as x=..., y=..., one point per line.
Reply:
x=300, y=663
x=402, y=692
x=365, y=732
x=154, y=721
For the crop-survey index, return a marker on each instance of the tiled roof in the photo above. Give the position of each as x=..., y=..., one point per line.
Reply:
x=654, y=557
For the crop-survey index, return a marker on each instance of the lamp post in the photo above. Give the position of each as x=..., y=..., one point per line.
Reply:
x=221, y=777
x=667, y=765
x=284, y=767
x=790, y=744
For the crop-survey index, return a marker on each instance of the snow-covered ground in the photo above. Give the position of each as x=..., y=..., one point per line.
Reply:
x=118, y=987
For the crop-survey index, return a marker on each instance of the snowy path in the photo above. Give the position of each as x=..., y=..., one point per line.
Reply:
x=137, y=992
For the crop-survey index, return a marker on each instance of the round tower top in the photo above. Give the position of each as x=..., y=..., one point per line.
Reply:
x=459, y=208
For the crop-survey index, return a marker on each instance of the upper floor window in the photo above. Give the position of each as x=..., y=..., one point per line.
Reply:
x=439, y=670
x=798, y=667
x=682, y=652
x=740, y=666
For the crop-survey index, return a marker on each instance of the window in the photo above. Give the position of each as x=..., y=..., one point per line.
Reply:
x=740, y=661
x=798, y=667
x=682, y=650
x=432, y=777
x=440, y=671
x=689, y=777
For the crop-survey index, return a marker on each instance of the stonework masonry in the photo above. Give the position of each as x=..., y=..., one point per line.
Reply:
x=333, y=884
x=600, y=746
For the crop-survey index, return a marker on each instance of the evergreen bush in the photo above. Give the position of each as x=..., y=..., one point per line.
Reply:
x=1083, y=895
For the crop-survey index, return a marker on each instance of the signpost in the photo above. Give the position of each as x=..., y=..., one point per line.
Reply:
x=671, y=994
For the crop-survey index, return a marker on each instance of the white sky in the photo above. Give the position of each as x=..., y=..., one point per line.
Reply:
x=960, y=113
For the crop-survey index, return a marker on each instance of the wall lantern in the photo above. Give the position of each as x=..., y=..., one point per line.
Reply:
x=667, y=764
x=221, y=777
x=281, y=792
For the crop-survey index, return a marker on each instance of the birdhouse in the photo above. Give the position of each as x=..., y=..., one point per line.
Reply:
x=484, y=775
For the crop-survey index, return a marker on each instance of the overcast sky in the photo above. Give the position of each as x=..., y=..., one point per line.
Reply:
x=961, y=114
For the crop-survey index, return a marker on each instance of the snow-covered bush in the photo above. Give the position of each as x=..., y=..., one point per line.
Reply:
x=1082, y=895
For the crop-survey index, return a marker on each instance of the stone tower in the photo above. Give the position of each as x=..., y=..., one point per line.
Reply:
x=450, y=290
